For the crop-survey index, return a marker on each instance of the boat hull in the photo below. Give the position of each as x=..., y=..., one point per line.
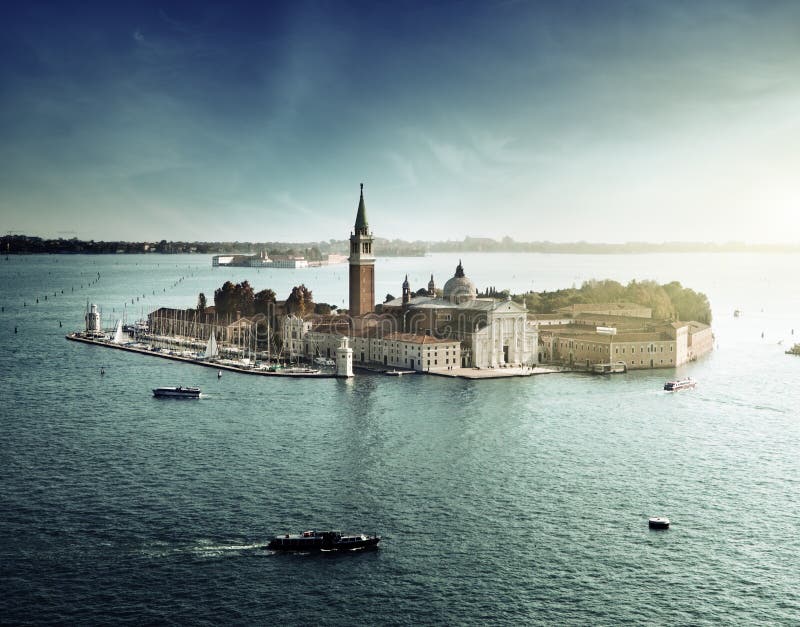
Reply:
x=322, y=542
x=676, y=386
x=176, y=392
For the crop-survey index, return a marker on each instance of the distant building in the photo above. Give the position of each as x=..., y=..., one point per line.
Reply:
x=259, y=261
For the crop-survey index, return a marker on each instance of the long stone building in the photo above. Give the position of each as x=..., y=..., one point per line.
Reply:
x=639, y=341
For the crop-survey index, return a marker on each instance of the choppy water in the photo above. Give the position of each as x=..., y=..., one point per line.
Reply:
x=501, y=502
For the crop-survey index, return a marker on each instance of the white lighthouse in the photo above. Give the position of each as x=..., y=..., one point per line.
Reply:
x=92, y=319
x=344, y=359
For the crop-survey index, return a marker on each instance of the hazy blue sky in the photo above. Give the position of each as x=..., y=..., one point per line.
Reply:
x=599, y=121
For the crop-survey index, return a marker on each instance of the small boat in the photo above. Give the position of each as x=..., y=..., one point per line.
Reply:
x=178, y=392
x=323, y=541
x=610, y=368
x=679, y=384
x=658, y=522
x=301, y=370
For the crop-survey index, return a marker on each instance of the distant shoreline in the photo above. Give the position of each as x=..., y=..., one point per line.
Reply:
x=24, y=244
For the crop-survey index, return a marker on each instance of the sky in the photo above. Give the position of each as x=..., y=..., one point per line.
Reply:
x=256, y=121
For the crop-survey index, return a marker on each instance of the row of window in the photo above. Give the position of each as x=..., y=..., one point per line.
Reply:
x=595, y=348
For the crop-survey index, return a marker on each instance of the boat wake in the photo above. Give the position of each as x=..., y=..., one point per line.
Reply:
x=205, y=549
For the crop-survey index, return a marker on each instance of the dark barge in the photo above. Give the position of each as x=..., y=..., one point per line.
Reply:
x=323, y=541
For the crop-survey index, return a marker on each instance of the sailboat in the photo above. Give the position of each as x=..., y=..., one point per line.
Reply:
x=119, y=336
x=211, y=347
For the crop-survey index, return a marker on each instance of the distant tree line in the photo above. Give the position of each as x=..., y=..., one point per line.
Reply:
x=670, y=301
x=316, y=251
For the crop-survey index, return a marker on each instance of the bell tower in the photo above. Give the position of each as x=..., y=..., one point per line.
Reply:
x=362, y=264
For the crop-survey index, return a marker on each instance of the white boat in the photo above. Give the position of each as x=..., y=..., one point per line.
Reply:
x=211, y=347
x=119, y=335
x=300, y=370
x=178, y=392
x=610, y=368
x=679, y=384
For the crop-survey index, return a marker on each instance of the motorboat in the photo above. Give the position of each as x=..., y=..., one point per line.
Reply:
x=323, y=541
x=679, y=384
x=178, y=392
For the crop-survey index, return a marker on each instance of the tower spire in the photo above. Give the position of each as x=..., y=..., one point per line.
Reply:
x=361, y=217
x=362, y=262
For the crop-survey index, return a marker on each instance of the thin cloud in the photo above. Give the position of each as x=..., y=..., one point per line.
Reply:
x=404, y=168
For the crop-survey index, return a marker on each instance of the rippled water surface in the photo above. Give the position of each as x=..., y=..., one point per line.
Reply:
x=507, y=501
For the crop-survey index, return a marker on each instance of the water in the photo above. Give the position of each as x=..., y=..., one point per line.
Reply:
x=503, y=502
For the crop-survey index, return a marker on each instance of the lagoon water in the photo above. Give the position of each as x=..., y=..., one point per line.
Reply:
x=515, y=501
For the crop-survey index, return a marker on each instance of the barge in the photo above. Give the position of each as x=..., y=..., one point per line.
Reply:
x=325, y=541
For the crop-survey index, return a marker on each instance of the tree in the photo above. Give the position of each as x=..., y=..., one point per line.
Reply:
x=322, y=309
x=606, y=291
x=244, y=298
x=224, y=299
x=264, y=301
x=689, y=305
x=201, y=303
x=231, y=298
x=300, y=301
x=650, y=294
x=388, y=298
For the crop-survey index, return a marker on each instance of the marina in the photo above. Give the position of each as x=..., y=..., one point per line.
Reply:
x=256, y=368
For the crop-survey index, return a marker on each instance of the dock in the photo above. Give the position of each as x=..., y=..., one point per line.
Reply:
x=77, y=337
x=496, y=373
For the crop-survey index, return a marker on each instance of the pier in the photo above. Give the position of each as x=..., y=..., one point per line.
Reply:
x=219, y=365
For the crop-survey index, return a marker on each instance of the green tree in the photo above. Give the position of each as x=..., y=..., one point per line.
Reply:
x=322, y=309
x=606, y=291
x=224, y=299
x=264, y=301
x=689, y=305
x=300, y=301
x=201, y=303
x=244, y=298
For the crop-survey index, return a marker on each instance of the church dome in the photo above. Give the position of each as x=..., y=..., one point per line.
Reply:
x=459, y=288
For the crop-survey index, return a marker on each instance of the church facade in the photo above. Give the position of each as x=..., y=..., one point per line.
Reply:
x=493, y=333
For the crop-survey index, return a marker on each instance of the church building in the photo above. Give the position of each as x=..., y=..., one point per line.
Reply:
x=423, y=333
x=494, y=333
